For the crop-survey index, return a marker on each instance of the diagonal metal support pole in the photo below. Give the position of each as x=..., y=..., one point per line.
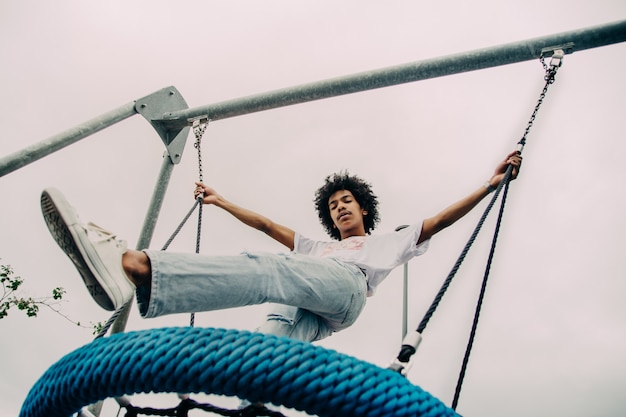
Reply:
x=150, y=107
x=37, y=151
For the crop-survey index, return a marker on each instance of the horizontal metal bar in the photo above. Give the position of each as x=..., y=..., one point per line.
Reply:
x=37, y=151
x=576, y=40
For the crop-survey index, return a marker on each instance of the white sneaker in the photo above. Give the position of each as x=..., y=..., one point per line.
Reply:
x=96, y=253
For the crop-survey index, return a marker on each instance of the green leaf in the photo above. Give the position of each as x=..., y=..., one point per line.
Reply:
x=57, y=293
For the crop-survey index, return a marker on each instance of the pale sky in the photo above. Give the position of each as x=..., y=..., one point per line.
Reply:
x=552, y=336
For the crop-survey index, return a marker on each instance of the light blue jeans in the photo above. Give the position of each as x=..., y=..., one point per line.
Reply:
x=312, y=297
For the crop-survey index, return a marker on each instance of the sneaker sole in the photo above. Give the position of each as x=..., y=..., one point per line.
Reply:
x=66, y=230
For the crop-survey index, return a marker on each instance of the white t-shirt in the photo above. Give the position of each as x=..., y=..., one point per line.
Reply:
x=377, y=255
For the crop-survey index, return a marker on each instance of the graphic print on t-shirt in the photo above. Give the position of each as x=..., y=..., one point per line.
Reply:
x=352, y=243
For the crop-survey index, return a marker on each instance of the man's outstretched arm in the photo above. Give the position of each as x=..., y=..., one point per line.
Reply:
x=451, y=214
x=278, y=232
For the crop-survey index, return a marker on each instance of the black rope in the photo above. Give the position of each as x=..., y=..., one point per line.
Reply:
x=197, y=203
x=187, y=404
x=106, y=326
x=407, y=350
x=549, y=78
x=470, y=343
x=433, y=307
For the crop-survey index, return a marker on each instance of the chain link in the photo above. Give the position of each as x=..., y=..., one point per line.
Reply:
x=549, y=78
x=199, y=127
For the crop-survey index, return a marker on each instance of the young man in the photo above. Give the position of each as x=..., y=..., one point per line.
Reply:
x=318, y=288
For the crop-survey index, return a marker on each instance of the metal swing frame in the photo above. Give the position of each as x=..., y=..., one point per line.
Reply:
x=171, y=117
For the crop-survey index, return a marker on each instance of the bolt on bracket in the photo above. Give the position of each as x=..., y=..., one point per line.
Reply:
x=153, y=107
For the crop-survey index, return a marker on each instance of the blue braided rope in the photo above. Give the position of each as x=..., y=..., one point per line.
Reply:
x=248, y=365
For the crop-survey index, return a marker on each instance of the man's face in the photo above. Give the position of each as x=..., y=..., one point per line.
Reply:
x=347, y=214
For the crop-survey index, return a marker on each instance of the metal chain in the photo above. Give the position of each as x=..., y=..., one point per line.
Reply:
x=199, y=127
x=549, y=78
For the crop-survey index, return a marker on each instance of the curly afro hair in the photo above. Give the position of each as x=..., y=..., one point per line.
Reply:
x=362, y=192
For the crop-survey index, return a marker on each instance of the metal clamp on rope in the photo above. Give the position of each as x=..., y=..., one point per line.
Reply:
x=557, y=58
x=403, y=363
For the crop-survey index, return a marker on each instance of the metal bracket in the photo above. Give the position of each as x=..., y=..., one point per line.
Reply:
x=153, y=107
x=566, y=48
